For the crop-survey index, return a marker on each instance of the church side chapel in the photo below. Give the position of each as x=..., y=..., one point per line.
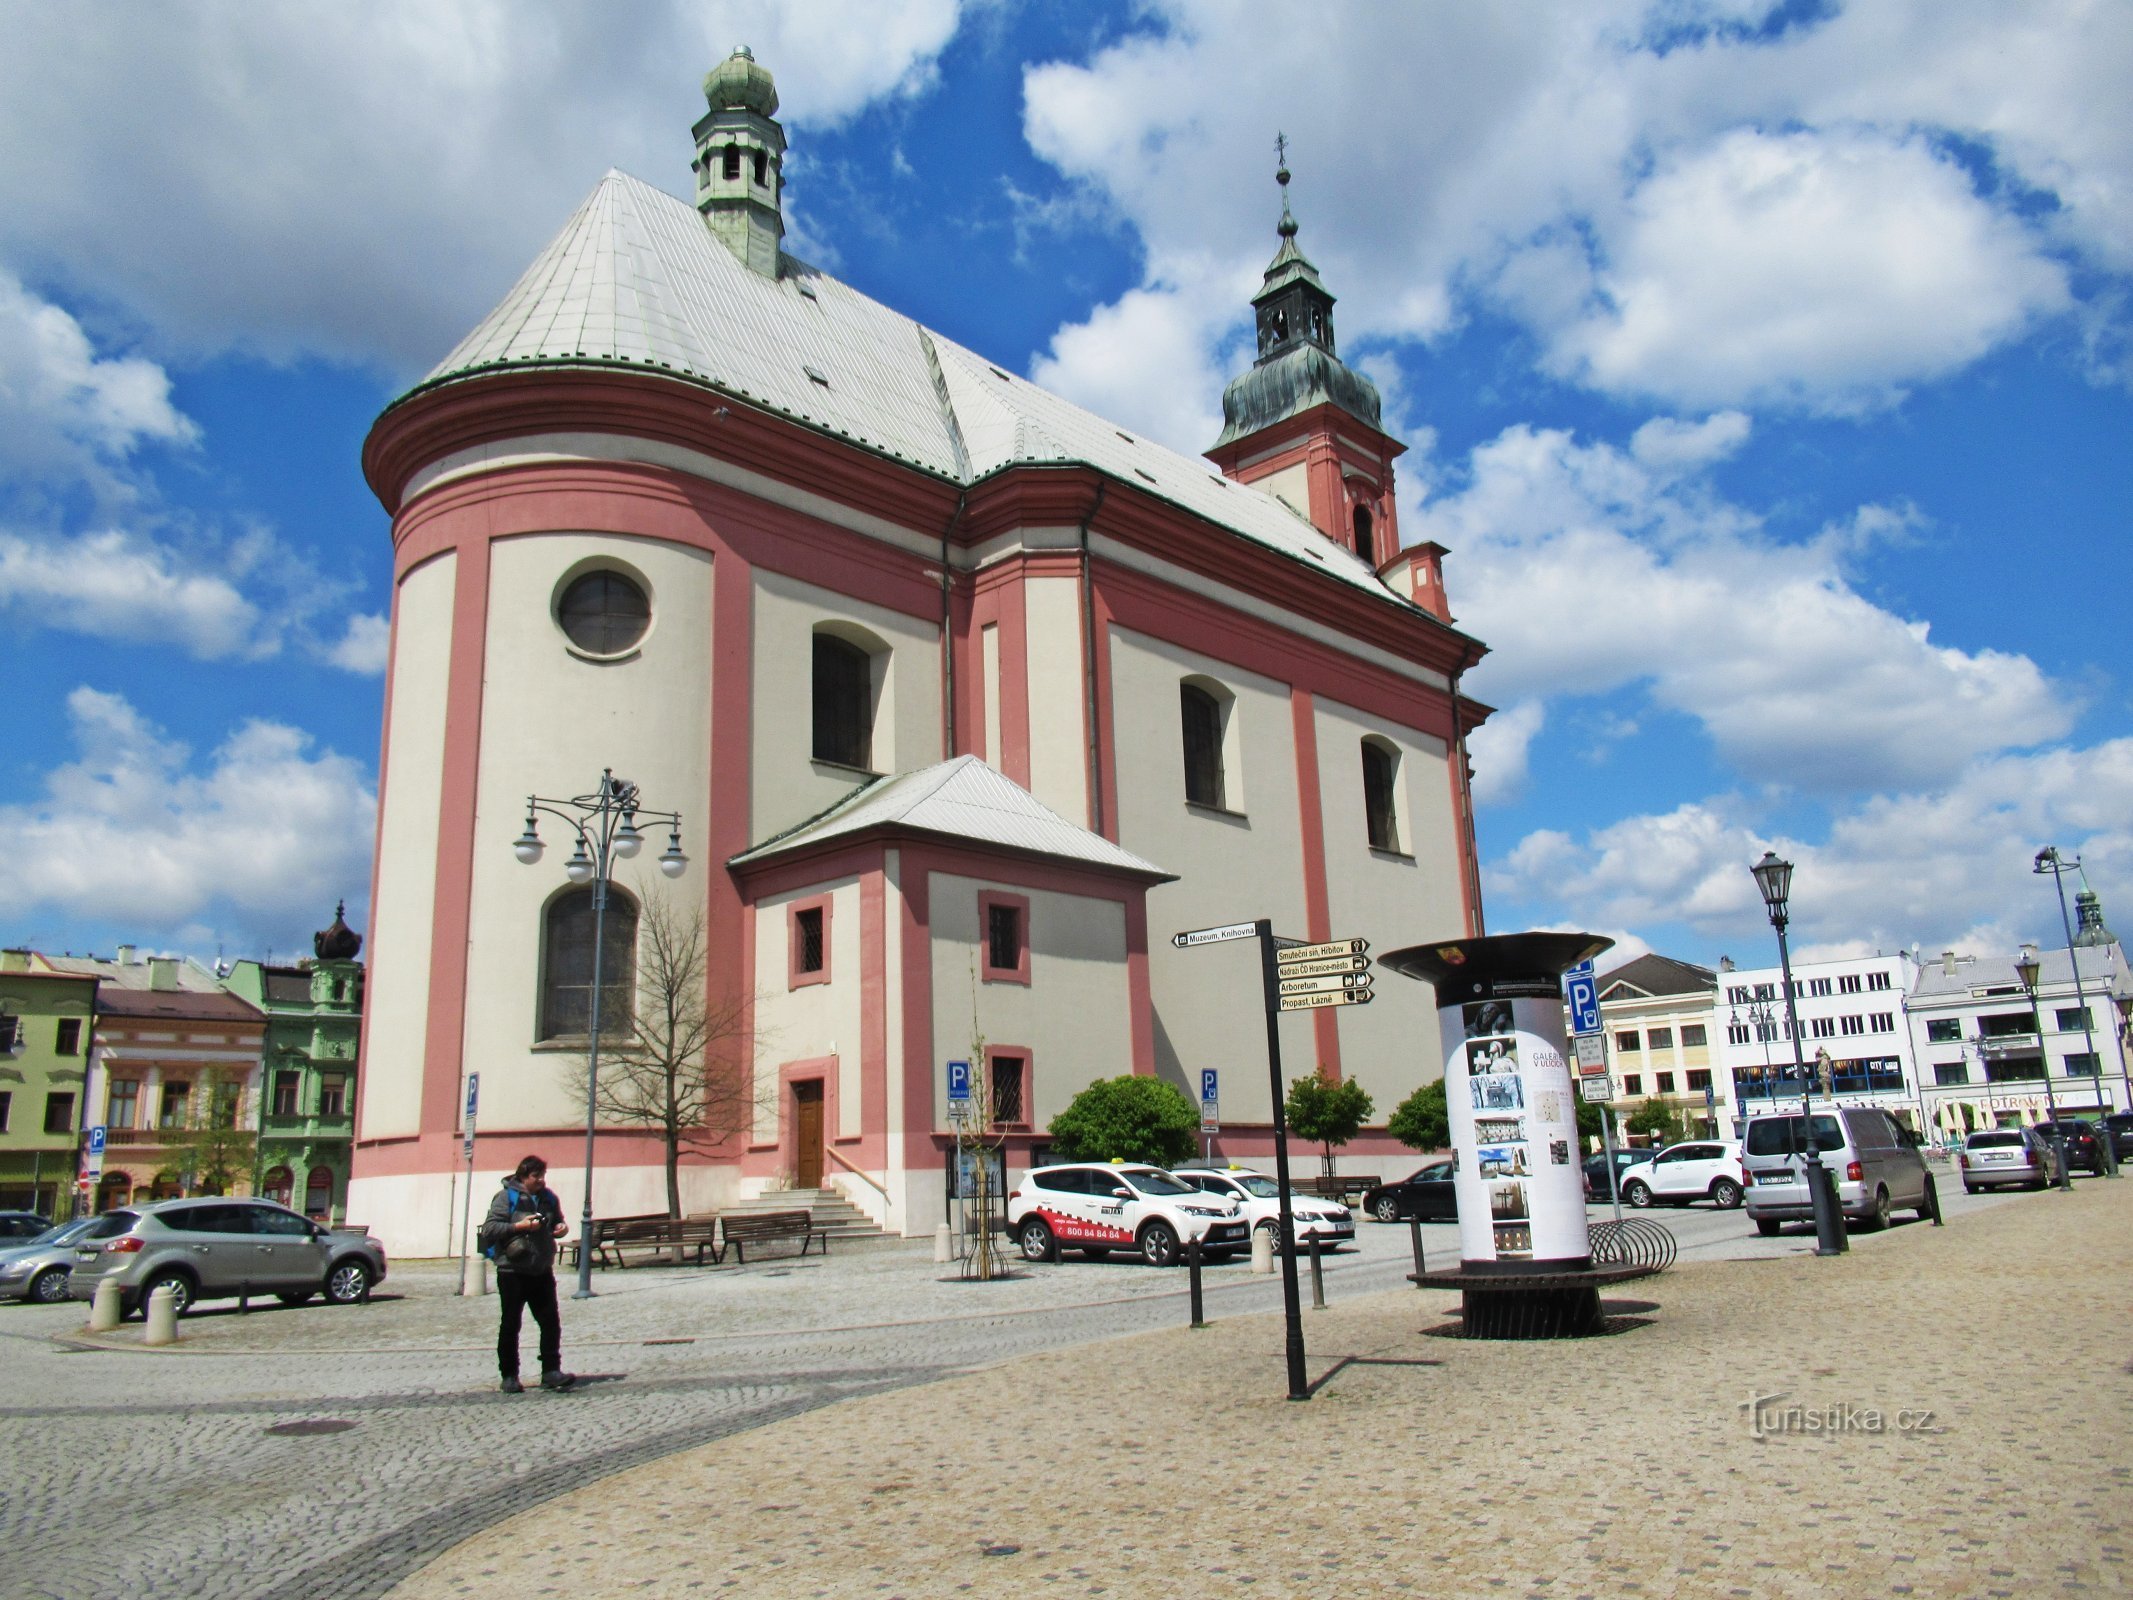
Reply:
x=967, y=700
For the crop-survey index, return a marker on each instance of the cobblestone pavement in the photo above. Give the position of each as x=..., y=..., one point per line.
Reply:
x=131, y=1471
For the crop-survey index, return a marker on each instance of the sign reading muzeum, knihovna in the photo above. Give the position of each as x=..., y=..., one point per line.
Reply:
x=960, y=691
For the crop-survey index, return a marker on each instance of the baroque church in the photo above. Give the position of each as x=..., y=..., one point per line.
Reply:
x=968, y=701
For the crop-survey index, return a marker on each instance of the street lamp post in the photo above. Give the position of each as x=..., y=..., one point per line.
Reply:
x=2027, y=969
x=1765, y=1020
x=2049, y=860
x=1774, y=878
x=605, y=824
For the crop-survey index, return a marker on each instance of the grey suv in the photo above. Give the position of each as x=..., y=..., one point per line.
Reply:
x=1877, y=1166
x=214, y=1248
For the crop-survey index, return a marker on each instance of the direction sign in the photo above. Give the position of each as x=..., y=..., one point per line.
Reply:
x=1582, y=990
x=1313, y=969
x=1328, y=983
x=1234, y=930
x=1312, y=1002
x=958, y=1082
x=1318, y=952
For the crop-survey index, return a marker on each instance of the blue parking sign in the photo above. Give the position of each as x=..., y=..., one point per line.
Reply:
x=96, y=1139
x=1582, y=990
x=958, y=1080
x=1207, y=1084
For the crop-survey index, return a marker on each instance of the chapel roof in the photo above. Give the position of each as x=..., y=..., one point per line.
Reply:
x=636, y=281
x=965, y=801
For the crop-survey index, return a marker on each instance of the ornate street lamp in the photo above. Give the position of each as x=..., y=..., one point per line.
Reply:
x=604, y=824
x=2027, y=969
x=1774, y=878
x=2049, y=860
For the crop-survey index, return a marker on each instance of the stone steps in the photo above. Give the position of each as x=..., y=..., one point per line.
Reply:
x=832, y=1213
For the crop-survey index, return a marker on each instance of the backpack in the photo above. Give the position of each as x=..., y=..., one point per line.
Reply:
x=515, y=1248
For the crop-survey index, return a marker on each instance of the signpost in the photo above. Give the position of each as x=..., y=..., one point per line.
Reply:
x=1293, y=976
x=466, y=1221
x=1582, y=990
x=92, y=1165
x=1210, y=1113
x=958, y=1091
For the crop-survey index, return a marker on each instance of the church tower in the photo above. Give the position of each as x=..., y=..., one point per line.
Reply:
x=1302, y=424
x=740, y=157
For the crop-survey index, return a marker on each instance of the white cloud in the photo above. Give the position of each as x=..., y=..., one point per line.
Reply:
x=1499, y=749
x=1125, y=363
x=114, y=586
x=1671, y=444
x=64, y=409
x=364, y=647
x=263, y=177
x=1589, y=572
x=136, y=834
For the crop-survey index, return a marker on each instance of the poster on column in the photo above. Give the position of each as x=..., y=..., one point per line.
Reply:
x=1514, y=1126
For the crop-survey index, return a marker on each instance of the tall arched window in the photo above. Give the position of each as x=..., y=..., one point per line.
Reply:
x=567, y=965
x=844, y=702
x=1365, y=535
x=1381, y=810
x=1201, y=714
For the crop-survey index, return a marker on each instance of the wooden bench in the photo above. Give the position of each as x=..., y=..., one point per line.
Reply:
x=662, y=1236
x=765, y=1227
x=1338, y=1188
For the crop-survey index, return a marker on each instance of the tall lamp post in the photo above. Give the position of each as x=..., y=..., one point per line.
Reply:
x=2028, y=969
x=2049, y=860
x=1774, y=878
x=605, y=823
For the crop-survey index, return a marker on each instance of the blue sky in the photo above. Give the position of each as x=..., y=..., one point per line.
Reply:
x=1765, y=368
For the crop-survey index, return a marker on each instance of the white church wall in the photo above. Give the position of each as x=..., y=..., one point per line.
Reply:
x=816, y=1019
x=551, y=721
x=390, y=1083
x=1058, y=698
x=1232, y=868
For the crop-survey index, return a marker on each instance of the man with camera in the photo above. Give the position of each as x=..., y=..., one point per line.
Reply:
x=519, y=1234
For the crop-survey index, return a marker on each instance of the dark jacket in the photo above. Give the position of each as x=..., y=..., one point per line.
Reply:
x=512, y=1204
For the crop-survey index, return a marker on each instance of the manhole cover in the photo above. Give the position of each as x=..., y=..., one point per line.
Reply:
x=310, y=1427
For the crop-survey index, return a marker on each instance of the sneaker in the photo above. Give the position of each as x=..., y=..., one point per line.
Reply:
x=558, y=1379
x=512, y=1386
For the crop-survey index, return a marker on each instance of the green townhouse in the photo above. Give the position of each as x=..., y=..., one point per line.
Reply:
x=314, y=1013
x=47, y=1027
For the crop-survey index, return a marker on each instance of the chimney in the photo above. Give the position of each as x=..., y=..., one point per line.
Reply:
x=162, y=972
x=125, y=955
x=1947, y=963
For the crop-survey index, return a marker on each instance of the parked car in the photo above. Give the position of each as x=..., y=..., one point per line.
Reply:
x=1877, y=1164
x=213, y=1248
x=36, y=1269
x=1099, y=1207
x=1600, y=1186
x=18, y=1227
x=1993, y=1158
x=2120, y=1126
x=1426, y=1194
x=1259, y=1198
x=2084, y=1151
x=1698, y=1169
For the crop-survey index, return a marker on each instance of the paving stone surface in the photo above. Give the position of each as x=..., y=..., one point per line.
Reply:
x=129, y=1471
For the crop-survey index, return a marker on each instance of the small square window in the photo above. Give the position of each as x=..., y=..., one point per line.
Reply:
x=1665, y=1083
x=810, y=929
x=1661, y=1038
x=1003, y=926
x=1629, y=1040
x=808, y=943
x=333, y=1096
x=1693, y=1036
x=59, y=1113
x=1008, y=1089
x=1633, y=1084
x=69, y=1041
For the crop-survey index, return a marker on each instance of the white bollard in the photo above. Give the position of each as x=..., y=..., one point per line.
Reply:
x=106, y=1307
x=943, y=1244
x=162, y=1317
x=1262, y=1250
x=474, y=1279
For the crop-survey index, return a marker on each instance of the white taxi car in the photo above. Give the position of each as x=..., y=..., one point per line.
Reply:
x=1259, y=1198
x=1697, y=1169
x=1098, y=1207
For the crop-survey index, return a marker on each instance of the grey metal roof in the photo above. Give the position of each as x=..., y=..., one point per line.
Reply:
x=2102, y=967
x=962, y=799
x=635, y=279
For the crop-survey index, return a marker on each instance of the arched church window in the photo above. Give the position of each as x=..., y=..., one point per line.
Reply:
x=1365, y=536
x=567, y=965
x=1202, y=716
x=844, y=702
x=604, y=613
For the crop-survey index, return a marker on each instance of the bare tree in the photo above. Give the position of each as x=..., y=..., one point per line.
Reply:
x=681, y=1065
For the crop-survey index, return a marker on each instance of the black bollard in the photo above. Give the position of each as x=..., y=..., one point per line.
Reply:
x=1192, y=1271
x=1318, y=1279
x=1414, y=1226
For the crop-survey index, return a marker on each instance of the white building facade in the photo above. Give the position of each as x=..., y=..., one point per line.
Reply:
x=1853, y=1039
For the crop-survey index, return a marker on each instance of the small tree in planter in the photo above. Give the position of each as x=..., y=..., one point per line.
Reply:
x=1660, y=1118
x=1328, y=1112
x=1422, y=1121
x=1127, y=1119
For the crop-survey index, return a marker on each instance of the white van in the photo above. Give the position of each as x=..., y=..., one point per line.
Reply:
x=1876, y=1163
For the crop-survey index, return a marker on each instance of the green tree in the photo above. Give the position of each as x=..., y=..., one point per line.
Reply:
x=1660, y=1118
x=1127, y=1119
x=1591, y=1119
x=1421, y=1121
x=216, y=1148
x=1328, y=1112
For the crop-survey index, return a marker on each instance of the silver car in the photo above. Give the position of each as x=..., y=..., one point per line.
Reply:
x=1996, y=1156
x=1876, y=1163
x=214, y=1248
x=36, y=1269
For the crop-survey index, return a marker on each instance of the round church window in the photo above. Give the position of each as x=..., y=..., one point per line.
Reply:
x=604, y=613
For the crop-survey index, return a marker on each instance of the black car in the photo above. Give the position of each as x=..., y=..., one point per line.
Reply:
x=2083, y=1151
x=1426, y=1194
x=2120, y=1124
x=1599, y=1186
x=18, y=1226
